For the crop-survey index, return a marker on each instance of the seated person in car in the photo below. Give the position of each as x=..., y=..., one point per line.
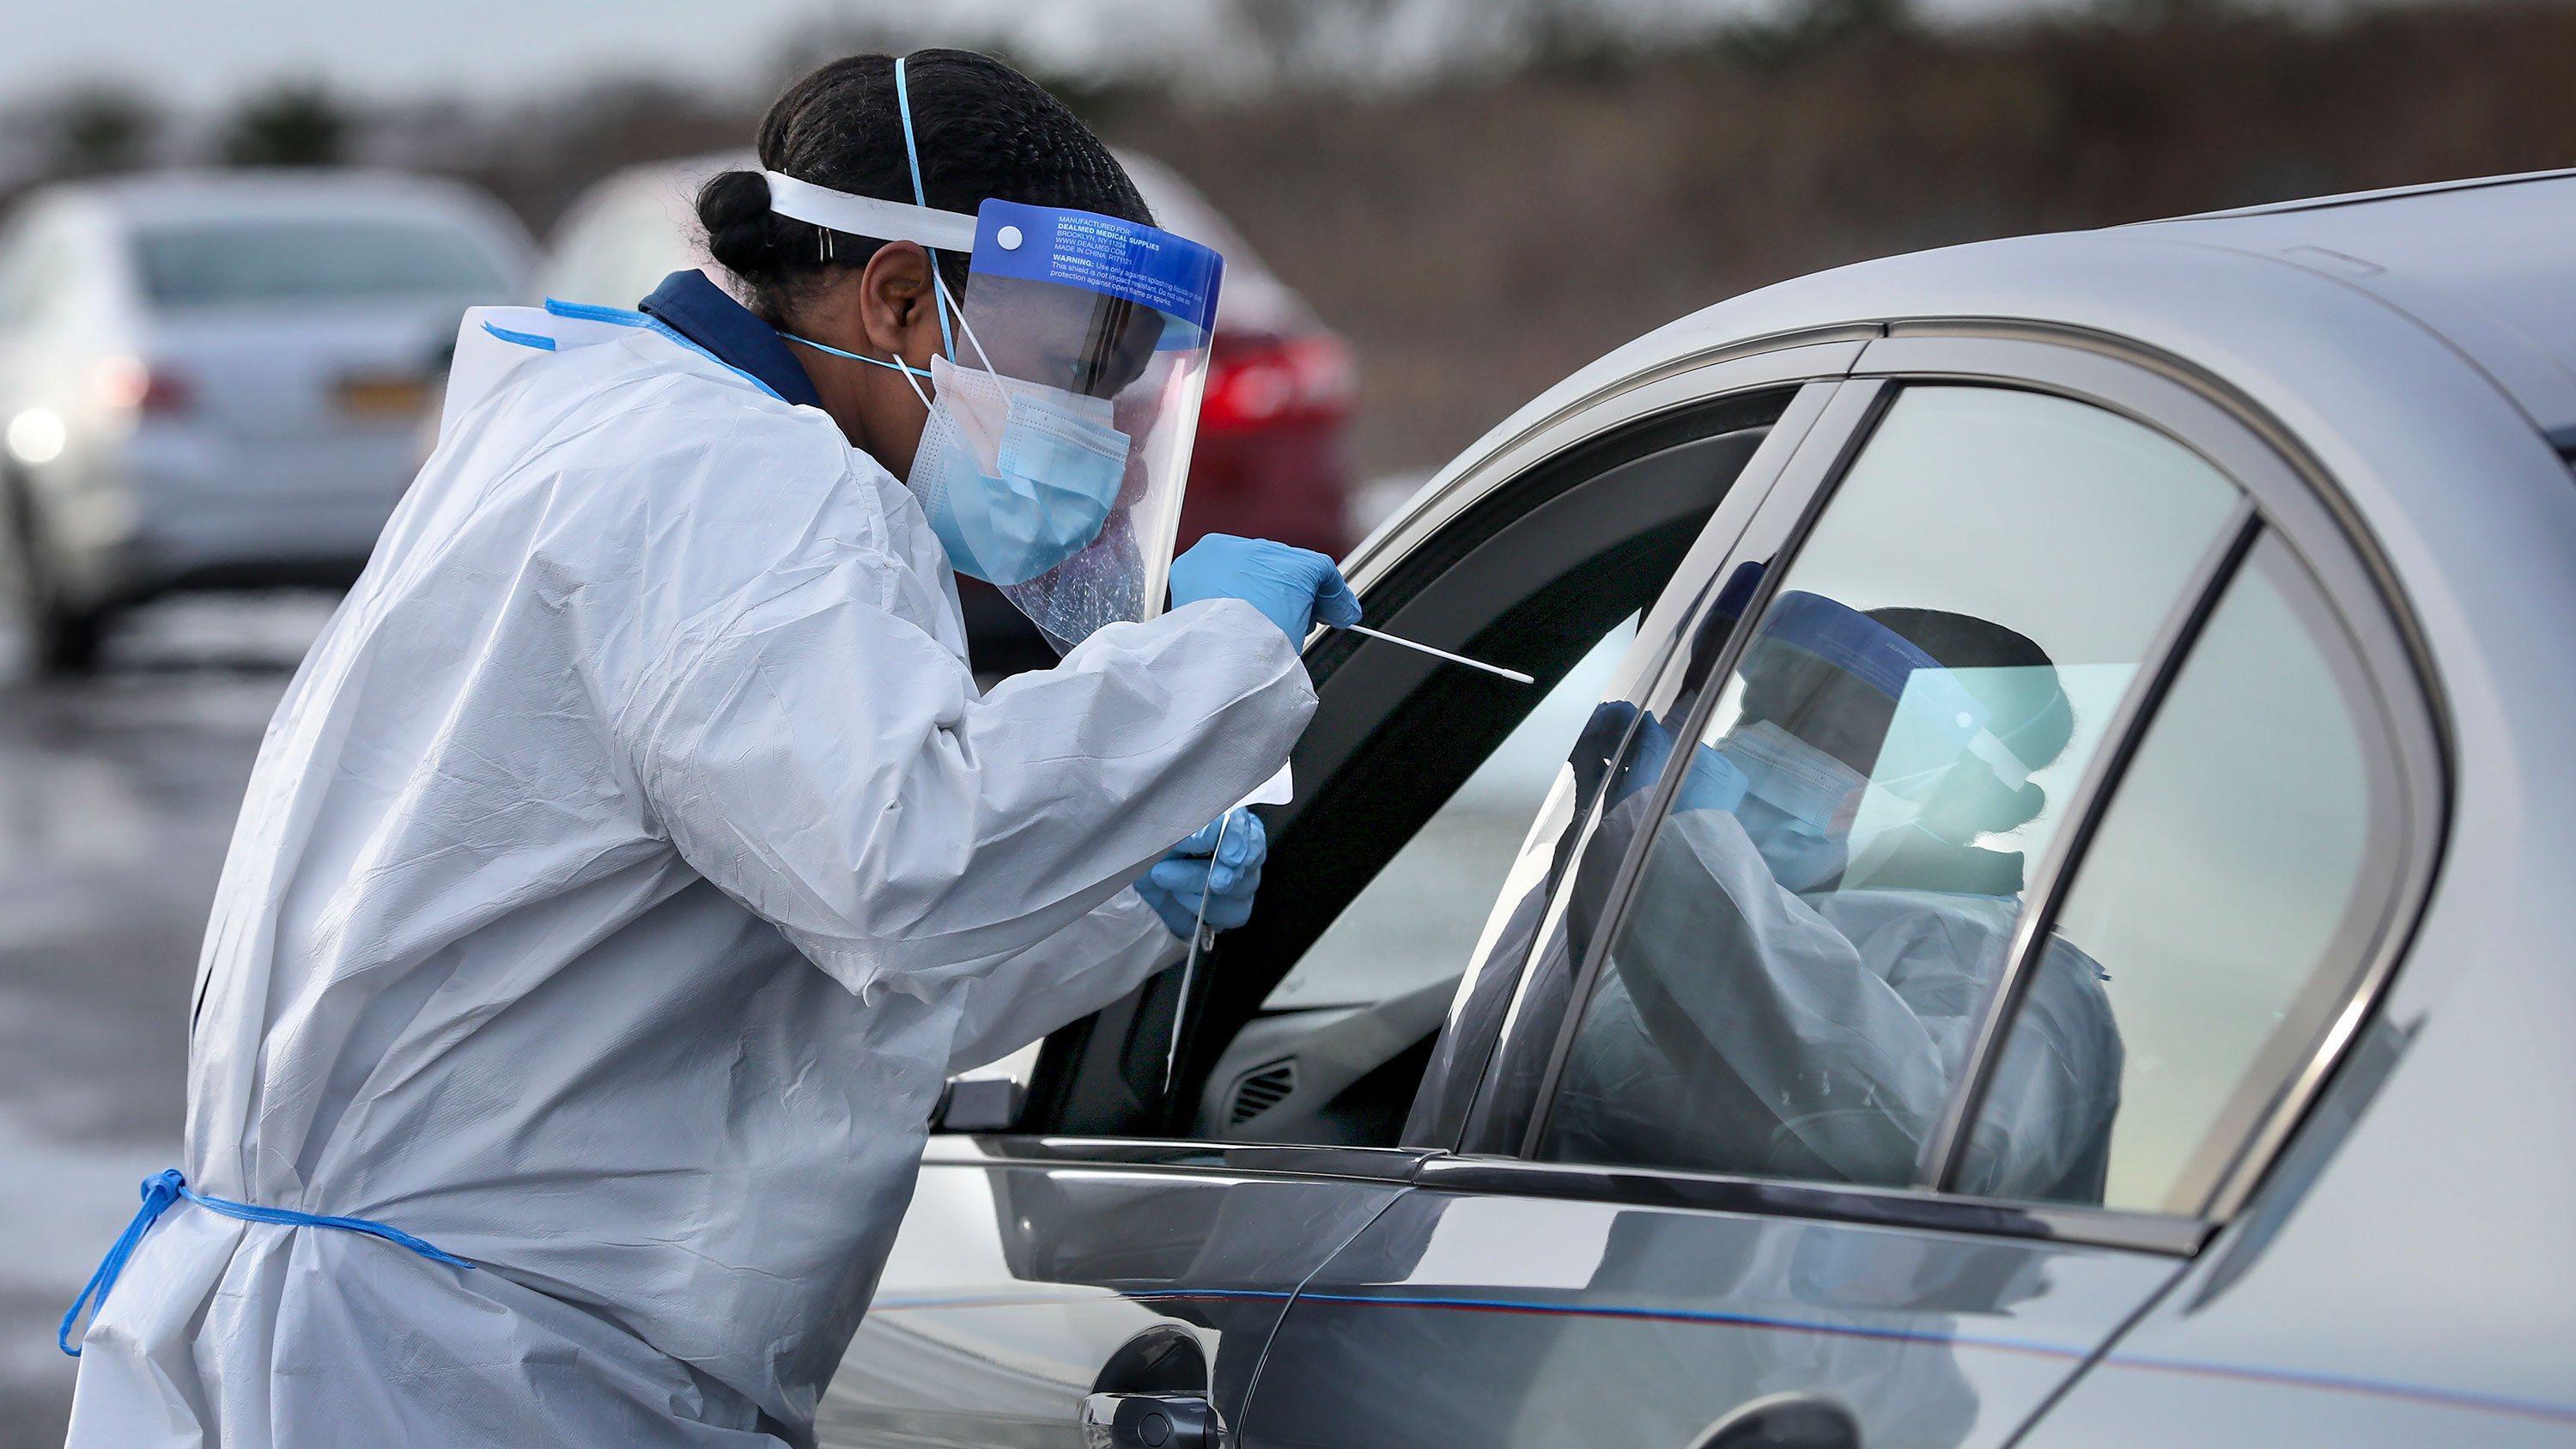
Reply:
x=1817, y=931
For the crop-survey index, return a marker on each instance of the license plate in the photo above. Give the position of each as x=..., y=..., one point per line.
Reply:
x=383, y=395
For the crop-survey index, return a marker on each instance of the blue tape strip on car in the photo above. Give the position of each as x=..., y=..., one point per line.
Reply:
x=1171, y=274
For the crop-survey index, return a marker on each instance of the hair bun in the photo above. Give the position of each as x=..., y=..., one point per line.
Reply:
x=734, y=209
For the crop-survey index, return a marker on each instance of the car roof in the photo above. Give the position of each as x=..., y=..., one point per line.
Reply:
x=2344, y=318
x=2490, y=265
x=2486, y=268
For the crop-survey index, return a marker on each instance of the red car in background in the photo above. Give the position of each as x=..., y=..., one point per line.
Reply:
x=1271, y=461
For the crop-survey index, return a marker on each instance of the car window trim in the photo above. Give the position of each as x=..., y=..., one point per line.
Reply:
x=1184, y=1154
x=1638, y=1187
x=1661, y=637
x=1778, y=527
x=1904, y=1207
x=2288, y=495
x=2299, y=502
x=1945, y=1152
x=1696, y=381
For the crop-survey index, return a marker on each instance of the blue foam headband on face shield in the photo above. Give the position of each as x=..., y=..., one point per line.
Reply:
x=1847, y=639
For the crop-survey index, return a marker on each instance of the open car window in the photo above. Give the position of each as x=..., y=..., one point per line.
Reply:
x=1417, y=780
x=1386, y=968
x=1416, y=920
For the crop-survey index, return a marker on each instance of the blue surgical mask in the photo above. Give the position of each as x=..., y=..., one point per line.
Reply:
x=1797, y=803
x=1016, y=477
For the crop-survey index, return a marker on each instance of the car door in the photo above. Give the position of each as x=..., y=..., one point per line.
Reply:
x=1811, y=1093
x=1147, y=1189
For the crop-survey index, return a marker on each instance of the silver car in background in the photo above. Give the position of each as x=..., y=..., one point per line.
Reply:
x=213, y=379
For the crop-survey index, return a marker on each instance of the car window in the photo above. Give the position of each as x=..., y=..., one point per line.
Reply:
x=2224, y=901
x=1382, y=974
x=312, y=259
x=1813, y=939
x=1416, y=921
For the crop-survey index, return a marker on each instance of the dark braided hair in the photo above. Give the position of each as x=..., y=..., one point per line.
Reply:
x=982, y=128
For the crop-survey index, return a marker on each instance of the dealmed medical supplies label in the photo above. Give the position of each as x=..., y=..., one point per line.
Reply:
x=1171, y=274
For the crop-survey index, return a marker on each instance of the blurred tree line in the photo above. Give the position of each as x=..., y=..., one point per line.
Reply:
x=1483, y=227
x=1479, y=241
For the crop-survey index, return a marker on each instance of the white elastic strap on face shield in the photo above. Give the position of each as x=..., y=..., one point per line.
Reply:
x=869, y=215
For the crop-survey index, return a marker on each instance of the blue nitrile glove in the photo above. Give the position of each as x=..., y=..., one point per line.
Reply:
x=1172, y=887
x=1296, y=587
x=1714, y=782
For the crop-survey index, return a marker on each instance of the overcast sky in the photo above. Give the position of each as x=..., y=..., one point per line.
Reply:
x=193, y=54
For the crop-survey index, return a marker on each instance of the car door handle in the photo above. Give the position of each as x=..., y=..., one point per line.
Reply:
x=1144, y=1421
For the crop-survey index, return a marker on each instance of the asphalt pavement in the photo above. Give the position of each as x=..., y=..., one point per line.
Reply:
x=117, y=797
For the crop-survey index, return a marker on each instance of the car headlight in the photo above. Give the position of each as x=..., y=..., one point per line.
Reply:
x=37, y=436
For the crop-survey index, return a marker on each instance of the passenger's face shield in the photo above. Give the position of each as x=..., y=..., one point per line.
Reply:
x=1897, y=720
x=1096, y=309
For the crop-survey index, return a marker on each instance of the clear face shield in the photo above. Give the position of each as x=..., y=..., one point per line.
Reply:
x=1064, y=404
x=1059, y=443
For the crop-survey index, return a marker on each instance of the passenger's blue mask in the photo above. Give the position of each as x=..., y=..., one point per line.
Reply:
x=1797, y=803
x=1016, y=477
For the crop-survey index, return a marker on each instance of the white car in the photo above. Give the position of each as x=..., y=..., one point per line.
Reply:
x=2192, y=1067
x=213, y=378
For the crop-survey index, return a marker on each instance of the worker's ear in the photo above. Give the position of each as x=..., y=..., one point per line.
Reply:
x=897, y=308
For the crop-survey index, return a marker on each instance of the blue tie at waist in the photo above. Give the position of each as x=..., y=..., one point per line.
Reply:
x=164, y=1188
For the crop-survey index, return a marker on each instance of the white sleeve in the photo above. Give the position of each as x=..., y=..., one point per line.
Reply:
x=828, y=765
x=1714, y=947
x=1062, y=979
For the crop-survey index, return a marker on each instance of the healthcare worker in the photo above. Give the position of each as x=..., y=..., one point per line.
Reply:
x=634, y=855
x=1816, y=931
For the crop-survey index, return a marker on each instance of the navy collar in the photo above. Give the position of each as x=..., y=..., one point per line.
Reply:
x=701, y=311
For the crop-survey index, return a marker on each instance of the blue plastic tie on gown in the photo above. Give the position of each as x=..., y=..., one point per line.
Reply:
x=168, y=1186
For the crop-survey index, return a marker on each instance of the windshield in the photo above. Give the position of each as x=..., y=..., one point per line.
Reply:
x=312, y=260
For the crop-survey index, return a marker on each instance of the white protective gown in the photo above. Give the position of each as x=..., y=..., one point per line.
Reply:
x=624, y=870
x=1817, y=1036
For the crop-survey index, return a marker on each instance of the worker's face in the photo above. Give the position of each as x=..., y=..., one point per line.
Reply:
x=1061, y=336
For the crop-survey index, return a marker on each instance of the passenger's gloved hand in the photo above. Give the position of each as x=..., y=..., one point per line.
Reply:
x=1229, y=872
x=1714, y=782
x=1295, y=587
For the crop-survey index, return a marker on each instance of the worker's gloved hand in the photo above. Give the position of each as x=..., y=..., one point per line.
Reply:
x=1229, y=872
x=1296, y=588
